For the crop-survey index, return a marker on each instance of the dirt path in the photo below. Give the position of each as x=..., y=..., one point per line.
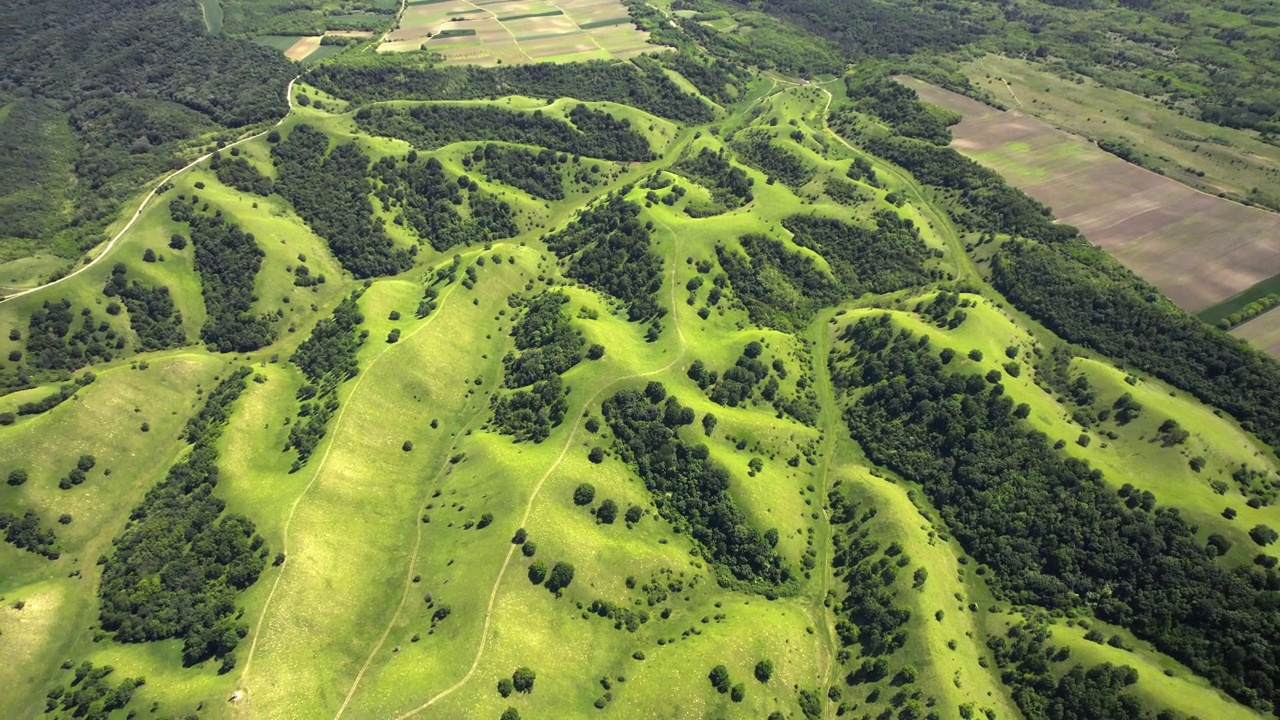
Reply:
x=568, y=443
x=288, y=95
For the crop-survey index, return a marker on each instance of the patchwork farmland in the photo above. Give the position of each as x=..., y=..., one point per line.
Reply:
x=1198, y=249
x=518, y=31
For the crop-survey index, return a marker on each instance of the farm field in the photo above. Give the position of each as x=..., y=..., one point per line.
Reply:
x=1197, y=248
x=518, y=31
x=1263, y=331
x=1204, y=156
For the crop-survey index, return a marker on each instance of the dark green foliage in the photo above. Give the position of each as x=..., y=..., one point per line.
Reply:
x=89, y=695
x=327, y=359
x=151, y=312
x=758, y=149
x=1045, y=694
x=721, y=80
x=330, y=191
x=738, y=384
x=429, y=198
x=730, y=186
x=764, y=670
x=537, y=572
x=873, y=92
x=522, y=679
x=64, y=393
x=175, y=570
x=241, y=175
x=535, y=173
x=546, y=340
x=17, y=477
x=877, y=28
x=607, y=512
x=25, y=533
x=584, y=494
x=868, y=617
x=530, y=414
x=689, y=490
x=780, y=289
x=105, y=97
x=639, y=83
x=1262, y=535
x=227, y=259
x=719, y=677
x=1086, y=297
x=594, y=133
x=1035, y=517
x=610, y=249
x=53, y=345
x=881, y=260
x=559, y=578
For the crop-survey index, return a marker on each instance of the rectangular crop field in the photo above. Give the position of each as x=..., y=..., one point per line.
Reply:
x=1197, y=248
x=519, y=31
x=1263, y=332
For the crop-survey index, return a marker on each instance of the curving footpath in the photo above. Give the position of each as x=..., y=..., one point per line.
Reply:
x=288, y=96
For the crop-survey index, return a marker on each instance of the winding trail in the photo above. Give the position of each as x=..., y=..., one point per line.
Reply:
x=333, y=437
x=288, y=96
x=568, y=443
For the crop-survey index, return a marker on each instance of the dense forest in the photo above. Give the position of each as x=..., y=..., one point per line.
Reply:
x=547, y=346
x=327, y=359
x=729, y=185
x=610, y=251
x=366, y=79
x=176, y=569
x=227, y=259
x=102, y=97
x=330, y=191
x=691, y=490
x=535, y=173
x=1051, y=530
x=429, y=199
x=152, y=315
x=757, y=148
x=239, y=174
x=593, y=133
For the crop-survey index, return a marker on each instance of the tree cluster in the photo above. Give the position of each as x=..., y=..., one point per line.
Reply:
x=429, y=200
x=176, y=569
x=152, y=315
x=330, y=191
x=730, y=186
x=690, y=490
x=90, y=695
x=610, y=251
x=639, y=83
x=53, y=345
x=594, y=133
x=538, y=174
x=757, y=148
x=228, y=260
x=548, y=347
x=241, y=175
x=53, y=400
x=25, y=533
x=327, y=359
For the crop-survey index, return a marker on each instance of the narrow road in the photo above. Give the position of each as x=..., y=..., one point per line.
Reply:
x=288, y=96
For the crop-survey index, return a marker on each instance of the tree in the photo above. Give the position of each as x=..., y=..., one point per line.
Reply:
x=708, y=424
x=510, y=714
x=560, y=577
x=607, y=512
x=177, y=242
x=537, y=572
x=505, y=687
x=149, y=255
x=17, y=477
x=764, y=670
x=584, y=494
x=522, y=679
x=596, y=455
x=633, y=514
x=719, y=677
x=595, y=352
x=1263, y=535
x=738, y=693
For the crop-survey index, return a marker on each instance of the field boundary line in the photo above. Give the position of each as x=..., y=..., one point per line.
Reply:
x=573, y=432
x=333, y=438
x=288, y=96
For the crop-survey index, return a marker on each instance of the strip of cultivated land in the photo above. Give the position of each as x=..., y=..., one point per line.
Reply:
x=1197, y=248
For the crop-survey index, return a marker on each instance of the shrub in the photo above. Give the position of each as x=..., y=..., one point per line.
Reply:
x=738, y=693
x=975, y=355
x=764, y=670
x=719, y=677
x=633, y=514
x=537, y=572
x=596, y=455
x=1263, y=535
x=505, y=687
x=584, y=494
x=595, y=352
x=17, y=477
x=523, y=679
x=607, y=512
x=560, y=577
